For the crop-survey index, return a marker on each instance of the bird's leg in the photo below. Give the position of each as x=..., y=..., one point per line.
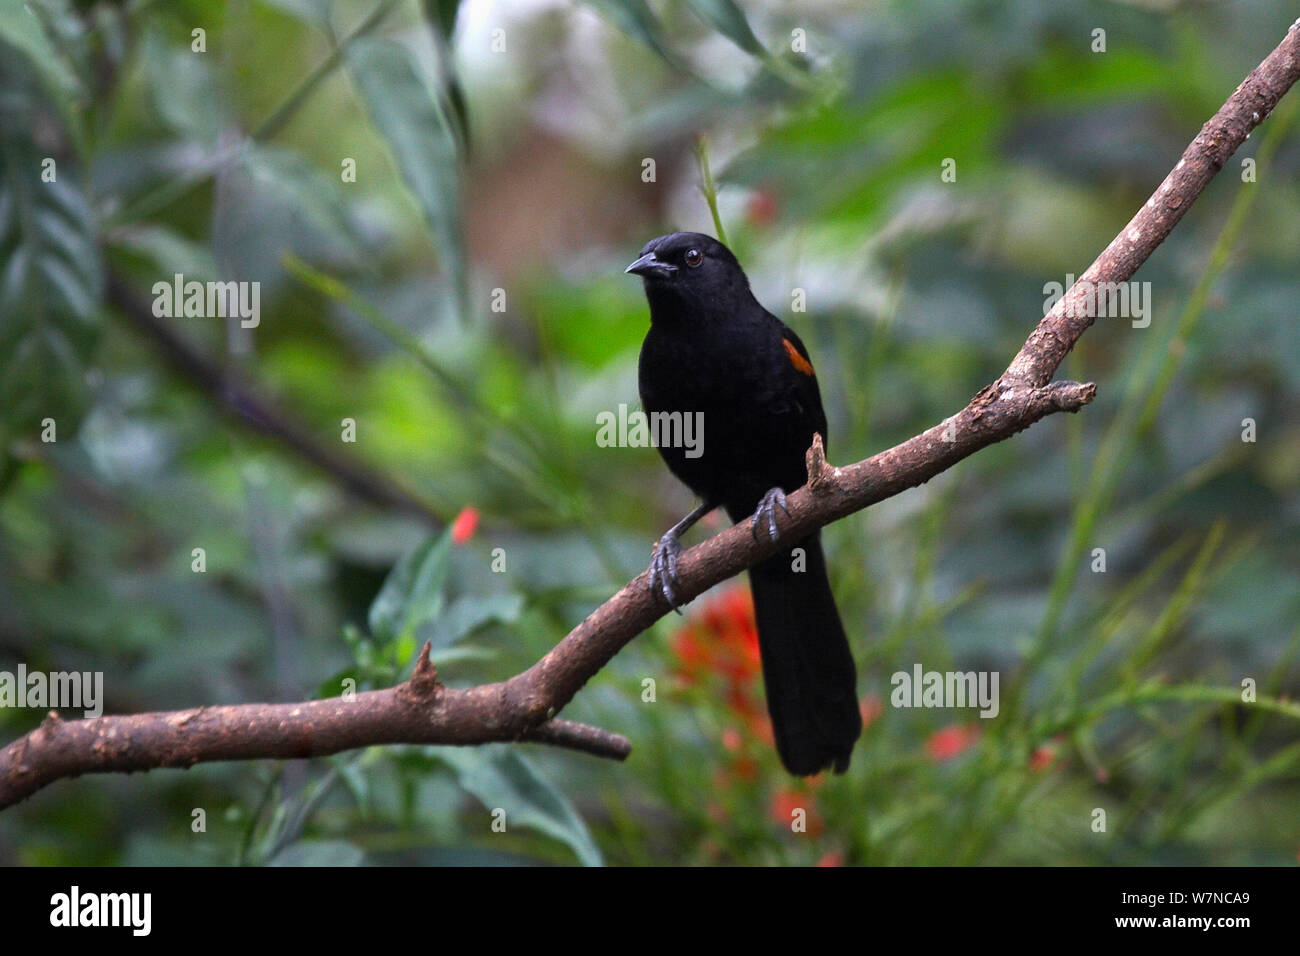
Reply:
x=663, y=567
x=766, y=511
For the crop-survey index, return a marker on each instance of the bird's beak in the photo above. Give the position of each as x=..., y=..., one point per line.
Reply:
x=649, y=266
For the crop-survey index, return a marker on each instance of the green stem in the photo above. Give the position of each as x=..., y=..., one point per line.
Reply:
x=1136, y=415
x=1162, y=693
x=708, y=186
x=166, y=194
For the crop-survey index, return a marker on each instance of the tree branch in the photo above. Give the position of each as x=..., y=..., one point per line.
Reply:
x=523, y=707
x=1250, y=105
x=420, y=711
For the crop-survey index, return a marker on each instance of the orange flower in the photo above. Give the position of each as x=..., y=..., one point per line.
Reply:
x=692, y=653
x=785, y=806
x=760, y=725
x=948, y=742
x=745, y=768
x=871, y=708
x=1043, y=757
x=462, y=529
x=722, y=640
x=718, y=648
x=729, y=622
x=741, y=764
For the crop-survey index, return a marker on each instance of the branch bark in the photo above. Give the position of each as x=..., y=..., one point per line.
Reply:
x=524, y=707
x=419, y=711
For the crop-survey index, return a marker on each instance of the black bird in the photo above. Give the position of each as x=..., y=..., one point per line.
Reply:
x=713, y=349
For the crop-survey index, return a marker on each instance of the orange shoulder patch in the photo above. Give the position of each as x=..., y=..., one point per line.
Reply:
x=800, y=363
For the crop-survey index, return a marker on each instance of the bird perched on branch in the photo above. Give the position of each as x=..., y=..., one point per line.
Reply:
x=713, y=350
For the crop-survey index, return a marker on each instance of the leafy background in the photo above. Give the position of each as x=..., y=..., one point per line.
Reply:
x=521, y=170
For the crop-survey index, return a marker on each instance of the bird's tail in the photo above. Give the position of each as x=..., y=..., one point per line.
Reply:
x=807, y=666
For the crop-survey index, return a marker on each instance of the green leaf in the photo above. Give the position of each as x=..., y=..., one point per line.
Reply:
x=308, y=199
x=729, y=20
x=168, y=251
x=356, y=780
x=412, y=592
x=637, y=20
x=464, y=652
x=500, y=777
x=332, y=686
x=277, y=203
x=470, y=613
x=50, y=269
x=443, y=14
x=423, y=140
x=319, y=853
x=21, y=29
x=183, y=90
x=315, y=12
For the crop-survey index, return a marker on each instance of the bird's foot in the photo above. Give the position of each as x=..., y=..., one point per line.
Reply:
x=663, y=568
x=766, y=511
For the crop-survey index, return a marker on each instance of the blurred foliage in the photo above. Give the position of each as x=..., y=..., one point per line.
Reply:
x=462, y=300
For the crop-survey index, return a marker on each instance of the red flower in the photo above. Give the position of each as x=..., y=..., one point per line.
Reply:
x=762, y=208
x=717, y=648
x=1043, y=757
x=948, y=742
x=870, y=707
x=462, y=529
x=721, y=642
x=832, y=858
x=785, y=808
x=692, y=653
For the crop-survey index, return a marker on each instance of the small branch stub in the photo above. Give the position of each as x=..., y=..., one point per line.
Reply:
x=823, y=478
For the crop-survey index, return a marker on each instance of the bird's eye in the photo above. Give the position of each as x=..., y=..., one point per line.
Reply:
x=694, y=257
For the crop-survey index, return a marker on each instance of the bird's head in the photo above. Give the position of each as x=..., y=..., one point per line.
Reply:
x=690, y=269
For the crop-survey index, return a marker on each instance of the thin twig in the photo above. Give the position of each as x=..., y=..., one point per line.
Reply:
x=236, y=397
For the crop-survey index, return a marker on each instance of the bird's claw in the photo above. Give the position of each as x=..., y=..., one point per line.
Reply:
x=775, y=498
x=663, y=569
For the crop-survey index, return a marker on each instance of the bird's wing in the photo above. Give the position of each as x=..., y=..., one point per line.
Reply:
x=804, y=379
